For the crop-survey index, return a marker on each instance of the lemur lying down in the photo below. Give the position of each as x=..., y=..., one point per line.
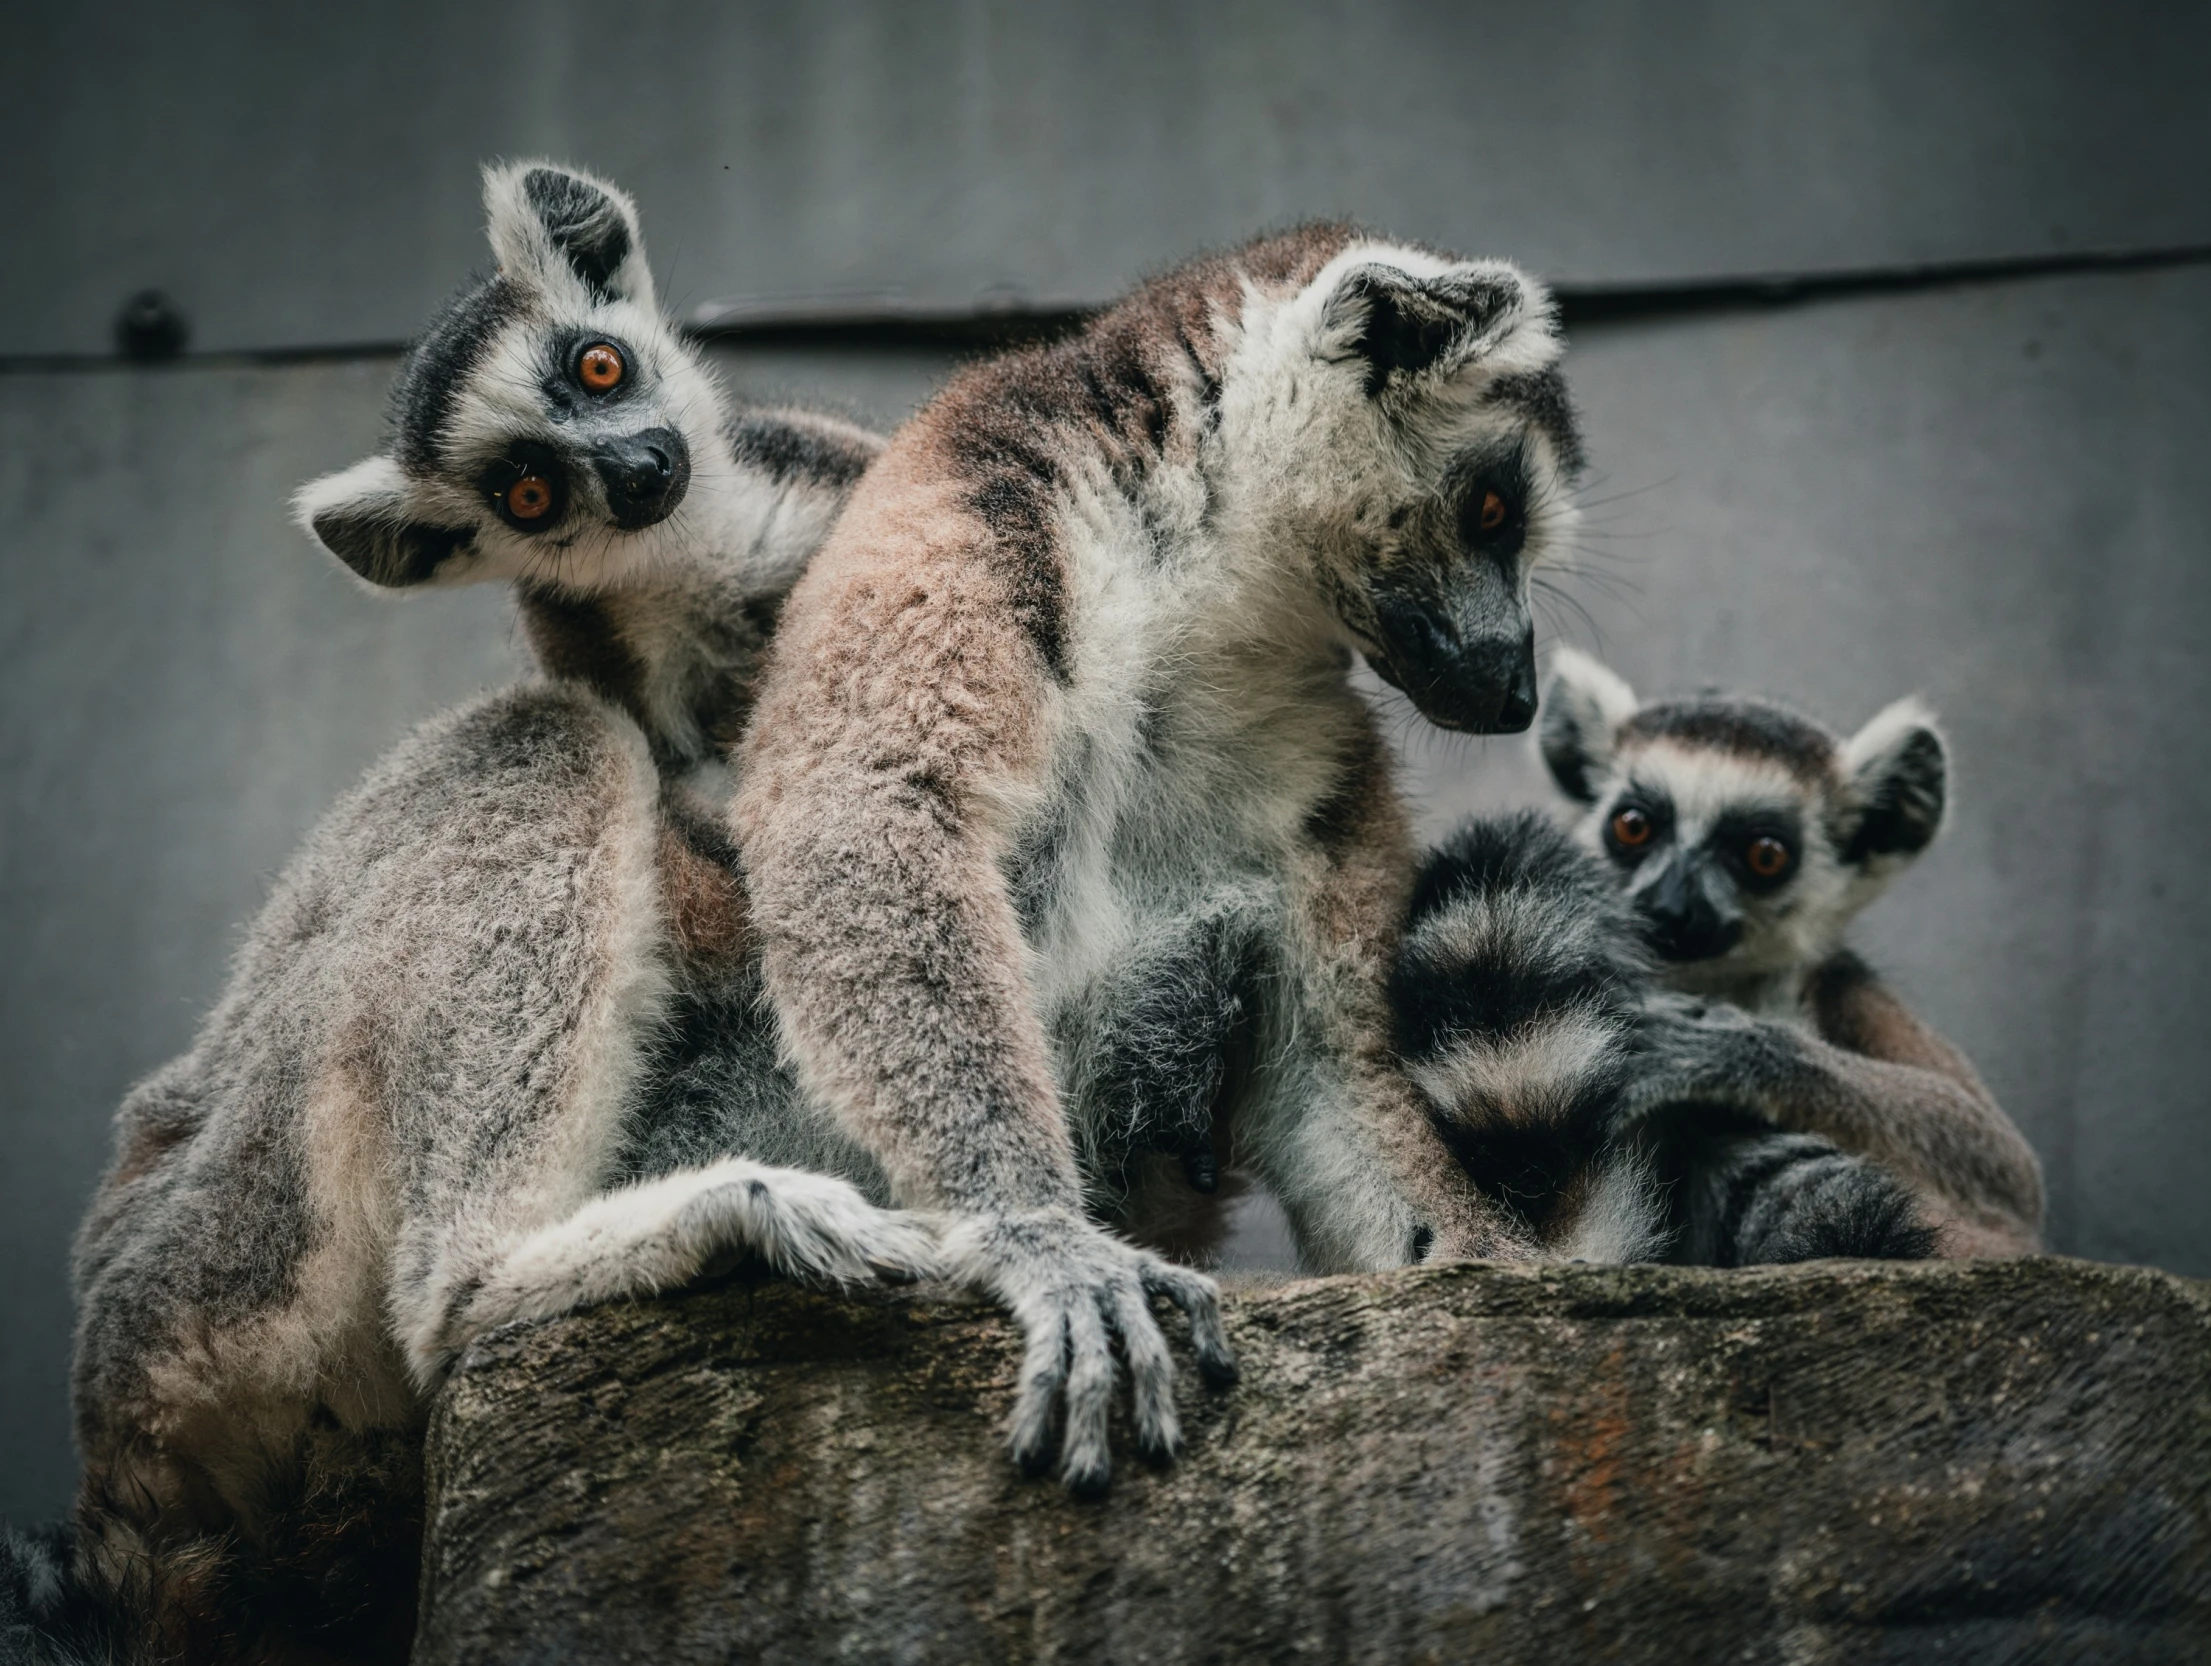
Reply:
x=1747, y=838
x=488, y=1049
x=1064, y=701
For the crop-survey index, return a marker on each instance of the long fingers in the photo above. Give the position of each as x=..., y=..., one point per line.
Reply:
x=1151, y=1372
x=1043, y=1371
x=1200, y=1299
x=1086, y=1457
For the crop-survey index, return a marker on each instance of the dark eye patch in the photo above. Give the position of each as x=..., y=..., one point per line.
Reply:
x=527, y=487
x=1656, y=805
x=562, y=382
x=1734, y=833
x=1490, y=493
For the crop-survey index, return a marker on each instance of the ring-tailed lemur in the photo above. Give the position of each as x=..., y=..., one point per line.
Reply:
x=487, y=1050
x=1747, y=838
x=1523, y=995
x=1066, y=696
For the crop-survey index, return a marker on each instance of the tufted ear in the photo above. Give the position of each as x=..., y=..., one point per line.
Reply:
x=1899, y=774
x=1584, y=705
x=555, y=227
x=1405, y=325
x=366, y=517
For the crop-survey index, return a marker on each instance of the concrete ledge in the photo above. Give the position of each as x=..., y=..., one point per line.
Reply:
x=1981, y=1462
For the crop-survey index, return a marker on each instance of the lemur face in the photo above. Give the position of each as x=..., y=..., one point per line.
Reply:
x=1406, y=417
x=1745, y=835
x=547, y=424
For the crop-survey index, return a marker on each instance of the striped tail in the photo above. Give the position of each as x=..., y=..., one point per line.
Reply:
x=1757, y=1198
x=1514, y=1000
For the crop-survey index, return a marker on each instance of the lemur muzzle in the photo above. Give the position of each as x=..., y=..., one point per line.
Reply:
x=644, y=476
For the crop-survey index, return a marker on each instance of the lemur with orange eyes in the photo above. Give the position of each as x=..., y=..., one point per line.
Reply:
x=1746, y=838
x=1062, y=715
x=495, y=1047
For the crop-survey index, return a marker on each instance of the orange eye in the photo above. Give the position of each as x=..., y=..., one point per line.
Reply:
x=601, y=368
x=1631, y=827
x=1493, y=512
x=529, y=497
x=1767, y=857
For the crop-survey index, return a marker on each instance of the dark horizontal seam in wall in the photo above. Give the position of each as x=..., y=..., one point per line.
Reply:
x=892, y=325
x=1632, y=303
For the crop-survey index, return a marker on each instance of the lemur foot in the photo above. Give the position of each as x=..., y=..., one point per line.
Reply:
x=1074, y=1289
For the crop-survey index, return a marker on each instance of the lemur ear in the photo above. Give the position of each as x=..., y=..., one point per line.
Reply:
x=365, y=517
x=553, y=227
x=1899, y=775
x=1403, y=325
x=1584, y=705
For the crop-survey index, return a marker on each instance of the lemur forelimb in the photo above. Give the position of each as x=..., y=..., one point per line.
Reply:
x=1747, y=838
x=1072, y=668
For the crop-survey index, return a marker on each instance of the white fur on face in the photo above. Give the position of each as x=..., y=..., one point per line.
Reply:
x=504, y=402
x=729, y=516
x=1307, y=459
x=1784, y=930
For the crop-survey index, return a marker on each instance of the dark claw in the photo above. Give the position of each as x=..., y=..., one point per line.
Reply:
x=1035, y=1464
x=1089, y=1488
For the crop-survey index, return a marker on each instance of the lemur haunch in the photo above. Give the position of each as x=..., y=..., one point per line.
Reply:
x=1747, y=838
x=495, y=1007
x=1065, y=697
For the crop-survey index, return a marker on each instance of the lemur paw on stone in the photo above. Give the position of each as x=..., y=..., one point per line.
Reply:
x=1066, y=696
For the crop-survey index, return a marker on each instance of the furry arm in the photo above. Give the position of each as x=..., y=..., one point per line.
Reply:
x=900, y=736
x=1918, y=1105
x=1875, y=1080
x=900, y=730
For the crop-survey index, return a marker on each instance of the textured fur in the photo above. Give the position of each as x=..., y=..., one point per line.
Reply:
x=1526, y=1007
x=47, y=1616
x=1788, y=1028
x=1065, y=697
x=494, y=1047
x=1516, y=993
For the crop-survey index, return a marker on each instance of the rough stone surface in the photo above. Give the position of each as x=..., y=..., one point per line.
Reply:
x=1979, y=1462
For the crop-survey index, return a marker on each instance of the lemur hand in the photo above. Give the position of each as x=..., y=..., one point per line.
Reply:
x=1687, y=1048
x=1075, y=1289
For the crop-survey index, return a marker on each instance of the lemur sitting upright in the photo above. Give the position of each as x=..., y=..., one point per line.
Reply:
x=1747, y=838
x=487, y=1050
x=1065, y=700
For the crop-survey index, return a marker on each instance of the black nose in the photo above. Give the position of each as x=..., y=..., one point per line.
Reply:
x=1512, y=666
x=1682, y=920
x=1484, y=685
x=1693, y=935
x=644, y=475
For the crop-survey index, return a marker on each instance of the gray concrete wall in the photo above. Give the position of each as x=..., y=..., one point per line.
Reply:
x=1986, y=493
x=300, y=175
